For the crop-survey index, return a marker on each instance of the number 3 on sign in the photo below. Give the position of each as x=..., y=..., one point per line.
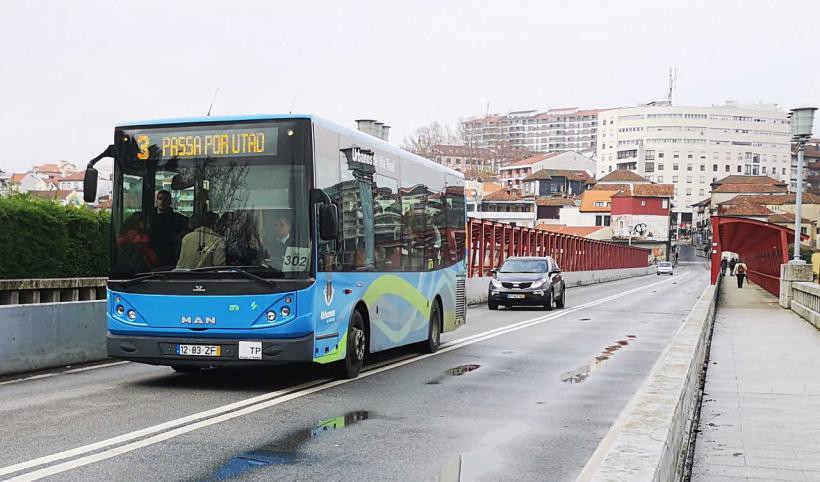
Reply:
x=142, y=143
x=295, y=259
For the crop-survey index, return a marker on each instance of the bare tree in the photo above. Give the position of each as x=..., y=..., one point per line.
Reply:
x=425, y=139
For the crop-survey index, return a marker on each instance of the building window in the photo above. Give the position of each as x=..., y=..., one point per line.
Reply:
x=689, y=179
x=689, y=166
x=739, y=168
x=689, y=156
x=784, y=171
x=714, y=167
x=660, y=155
x=674, y=179
x=702, y=167
x=675, y=166
x=728, y=169
x=602, y=220
x=688, y=191
x=675, y=156
x=660, y=166
x=665, y=204
x=763, y=170
x=649, y=167
x=660, y=179
x=649, y=155
x=643, y=203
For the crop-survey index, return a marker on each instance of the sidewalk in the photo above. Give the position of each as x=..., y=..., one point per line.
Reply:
x=760, y=418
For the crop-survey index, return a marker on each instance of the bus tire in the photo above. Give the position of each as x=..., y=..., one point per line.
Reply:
x=433, y=331
x=355, y=350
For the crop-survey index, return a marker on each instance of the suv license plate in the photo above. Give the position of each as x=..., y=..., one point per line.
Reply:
x=515, y=296
x=199, y=350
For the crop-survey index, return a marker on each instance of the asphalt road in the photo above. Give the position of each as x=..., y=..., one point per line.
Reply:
x=517, y=394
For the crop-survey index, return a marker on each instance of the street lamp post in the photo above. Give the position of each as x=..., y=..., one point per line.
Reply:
x=801, y=123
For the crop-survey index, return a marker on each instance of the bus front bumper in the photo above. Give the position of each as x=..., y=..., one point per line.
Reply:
x=160, y=350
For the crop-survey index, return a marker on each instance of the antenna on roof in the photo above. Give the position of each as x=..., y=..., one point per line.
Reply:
x=210, y=107
x=673, y=79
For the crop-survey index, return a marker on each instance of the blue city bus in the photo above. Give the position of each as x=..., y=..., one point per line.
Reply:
x=277, y=238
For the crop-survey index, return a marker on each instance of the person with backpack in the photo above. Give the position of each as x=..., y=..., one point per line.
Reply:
x=740, y=272
x=732, y=265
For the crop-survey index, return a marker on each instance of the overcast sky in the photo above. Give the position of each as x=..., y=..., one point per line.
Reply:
x=70, y=71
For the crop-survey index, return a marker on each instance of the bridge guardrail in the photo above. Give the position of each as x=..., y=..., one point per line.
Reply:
x=489, y=243
x=51, y=290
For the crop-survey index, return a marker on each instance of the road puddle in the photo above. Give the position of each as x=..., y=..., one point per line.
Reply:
x=285, y=450
x=581, y=373
x=455, y=372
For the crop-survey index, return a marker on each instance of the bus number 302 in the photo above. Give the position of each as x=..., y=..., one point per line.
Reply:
x=295, y=261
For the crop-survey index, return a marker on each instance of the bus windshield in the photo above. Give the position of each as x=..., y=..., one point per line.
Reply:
x=213, y=196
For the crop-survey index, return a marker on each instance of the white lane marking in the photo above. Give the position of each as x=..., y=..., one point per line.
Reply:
x=265, y=401
x=54, y=374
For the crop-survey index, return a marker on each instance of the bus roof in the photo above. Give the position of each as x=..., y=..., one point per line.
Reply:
x=355, y=134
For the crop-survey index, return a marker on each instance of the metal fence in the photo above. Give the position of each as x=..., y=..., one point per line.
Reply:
x=489, y=243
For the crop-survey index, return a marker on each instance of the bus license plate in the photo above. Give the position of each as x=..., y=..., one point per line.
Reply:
x=199, y=350
x=515, y=296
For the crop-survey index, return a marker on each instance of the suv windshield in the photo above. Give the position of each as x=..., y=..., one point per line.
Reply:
x=524, y=266
x=217, y=195
x=665, y=264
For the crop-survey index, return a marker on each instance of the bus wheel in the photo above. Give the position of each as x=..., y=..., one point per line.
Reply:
x=434, y=330
x=356, y=347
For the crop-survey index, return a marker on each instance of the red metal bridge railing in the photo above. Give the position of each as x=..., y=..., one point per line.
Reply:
x=490, y=243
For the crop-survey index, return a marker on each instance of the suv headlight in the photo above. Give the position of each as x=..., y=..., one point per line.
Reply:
x=495, y=283
x=538, y=283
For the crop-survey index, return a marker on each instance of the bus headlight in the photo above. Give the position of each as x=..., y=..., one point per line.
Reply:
x=132, y=315
x=285, y=311
x=120, y=310
x=271, y=316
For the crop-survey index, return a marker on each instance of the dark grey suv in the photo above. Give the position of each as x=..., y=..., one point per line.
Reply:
x=527, y=281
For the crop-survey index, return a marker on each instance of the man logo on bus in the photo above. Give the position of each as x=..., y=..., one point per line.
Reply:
x=329, y=291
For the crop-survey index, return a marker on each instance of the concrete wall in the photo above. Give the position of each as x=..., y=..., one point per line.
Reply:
x=477, y=287
x=652, y=437
x=805, y=301
x=34, y=337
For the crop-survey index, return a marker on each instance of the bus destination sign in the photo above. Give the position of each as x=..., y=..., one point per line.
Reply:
x=156, y=145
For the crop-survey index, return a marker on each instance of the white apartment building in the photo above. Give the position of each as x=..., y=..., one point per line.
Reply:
x=569, y=129
x=691, y=147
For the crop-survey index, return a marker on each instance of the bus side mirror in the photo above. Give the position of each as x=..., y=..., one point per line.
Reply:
x=90, y=185
x=328, y=222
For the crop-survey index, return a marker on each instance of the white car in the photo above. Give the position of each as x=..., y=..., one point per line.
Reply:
x=665, y=267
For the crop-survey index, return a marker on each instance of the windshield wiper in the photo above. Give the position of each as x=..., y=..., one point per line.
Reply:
x=235, y=269
x=205, y=269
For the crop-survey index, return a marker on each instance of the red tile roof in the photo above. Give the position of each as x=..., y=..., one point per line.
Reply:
x=554, y=201
x=582, y=231
x=610, y=187
x=75, y=176
x=508, y=194
x=648, y=190
x=18, y=176
x=745, y=210
x=750, y=188
x=741, y=179
x=623, y=175
x=771, y=199
x=785, y=218
x=544, y=174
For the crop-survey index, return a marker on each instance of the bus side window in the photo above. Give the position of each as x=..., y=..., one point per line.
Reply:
x=327, y=158
x=387, y=223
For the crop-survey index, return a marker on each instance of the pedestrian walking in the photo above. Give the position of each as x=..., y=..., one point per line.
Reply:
x=723, y=264
x=740, y=273
x=732, y=265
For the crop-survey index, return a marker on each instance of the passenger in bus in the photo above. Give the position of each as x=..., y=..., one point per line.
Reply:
x=134, y=251
x=281, y=242
x=243, y=247
x=167, y=228
x=202, y=247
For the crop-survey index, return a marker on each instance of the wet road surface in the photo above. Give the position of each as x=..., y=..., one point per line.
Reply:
x=517, y=394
